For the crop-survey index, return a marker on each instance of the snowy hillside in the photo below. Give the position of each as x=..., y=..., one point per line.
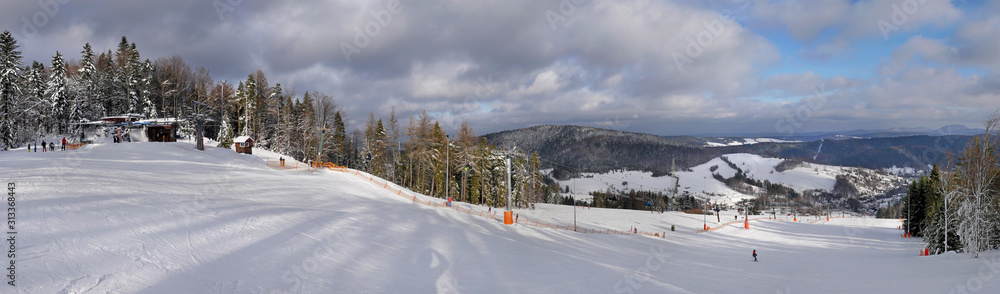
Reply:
x=165, y=218
x=581, y=187
x=722, y=142
x=700, y=180
x=800, y=176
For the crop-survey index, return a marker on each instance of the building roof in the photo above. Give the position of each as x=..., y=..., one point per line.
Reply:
x=242, y=139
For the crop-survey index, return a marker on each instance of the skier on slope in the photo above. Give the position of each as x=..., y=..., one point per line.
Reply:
x=43, y=146
x=755, y=255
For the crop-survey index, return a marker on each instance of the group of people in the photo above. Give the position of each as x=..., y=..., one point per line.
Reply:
x=51, y=146
x=121, y=136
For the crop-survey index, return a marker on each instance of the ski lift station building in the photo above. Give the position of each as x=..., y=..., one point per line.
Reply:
x=138, y=128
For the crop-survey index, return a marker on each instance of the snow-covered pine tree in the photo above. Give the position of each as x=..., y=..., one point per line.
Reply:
x=273, y=124
x=88, y=78
x=145, y=86
x=133, y=79
x=10, y=89
x=916, y=206
x=262, y=117
x=225, y=134
x=56, y=93
x=339, y=137
x=370, y=151
x=36, y=107
x=307, y=127
x=392, y=140
x=108, y=89
x=246, y=95
x=123, y=77
x=935, y=229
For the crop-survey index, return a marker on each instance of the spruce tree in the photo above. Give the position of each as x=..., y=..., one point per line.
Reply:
x=55, y=90
x=10, y=89
x=339, y=138
x=38, y=114
x=226, y=134
x=915, y=207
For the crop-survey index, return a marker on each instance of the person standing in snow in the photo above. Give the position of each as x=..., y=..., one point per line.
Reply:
x=43, y=146
x=52, y=146
x=64, y=144
x=755, y=255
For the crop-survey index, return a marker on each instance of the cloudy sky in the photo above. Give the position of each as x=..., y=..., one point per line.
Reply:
x=667, y=67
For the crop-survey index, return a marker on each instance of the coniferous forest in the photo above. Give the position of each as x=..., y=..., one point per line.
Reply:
x=40, y=99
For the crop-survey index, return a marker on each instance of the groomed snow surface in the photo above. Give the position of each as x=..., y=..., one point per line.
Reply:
x=165, y=218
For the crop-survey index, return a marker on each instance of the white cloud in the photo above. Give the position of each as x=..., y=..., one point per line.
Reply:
x=545, y=82
x=851, y=20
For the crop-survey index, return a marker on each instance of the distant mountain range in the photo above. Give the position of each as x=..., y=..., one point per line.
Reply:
x=950, y=130
x=572, y=149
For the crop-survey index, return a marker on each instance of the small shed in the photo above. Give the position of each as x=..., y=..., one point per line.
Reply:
x=244, y=144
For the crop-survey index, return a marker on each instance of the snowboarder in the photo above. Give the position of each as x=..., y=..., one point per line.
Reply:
x=43, y=146
x=755, y=255
x=64, y=144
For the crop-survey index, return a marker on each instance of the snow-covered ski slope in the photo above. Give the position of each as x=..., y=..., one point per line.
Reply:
x=165, y=218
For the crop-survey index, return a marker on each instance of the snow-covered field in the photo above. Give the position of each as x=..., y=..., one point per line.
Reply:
x=580, y=188
x=165, y=218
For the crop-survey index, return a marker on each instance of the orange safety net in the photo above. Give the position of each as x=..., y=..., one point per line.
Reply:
x=471, y=210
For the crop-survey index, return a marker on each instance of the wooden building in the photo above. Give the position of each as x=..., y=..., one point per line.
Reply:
x=244, y=144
